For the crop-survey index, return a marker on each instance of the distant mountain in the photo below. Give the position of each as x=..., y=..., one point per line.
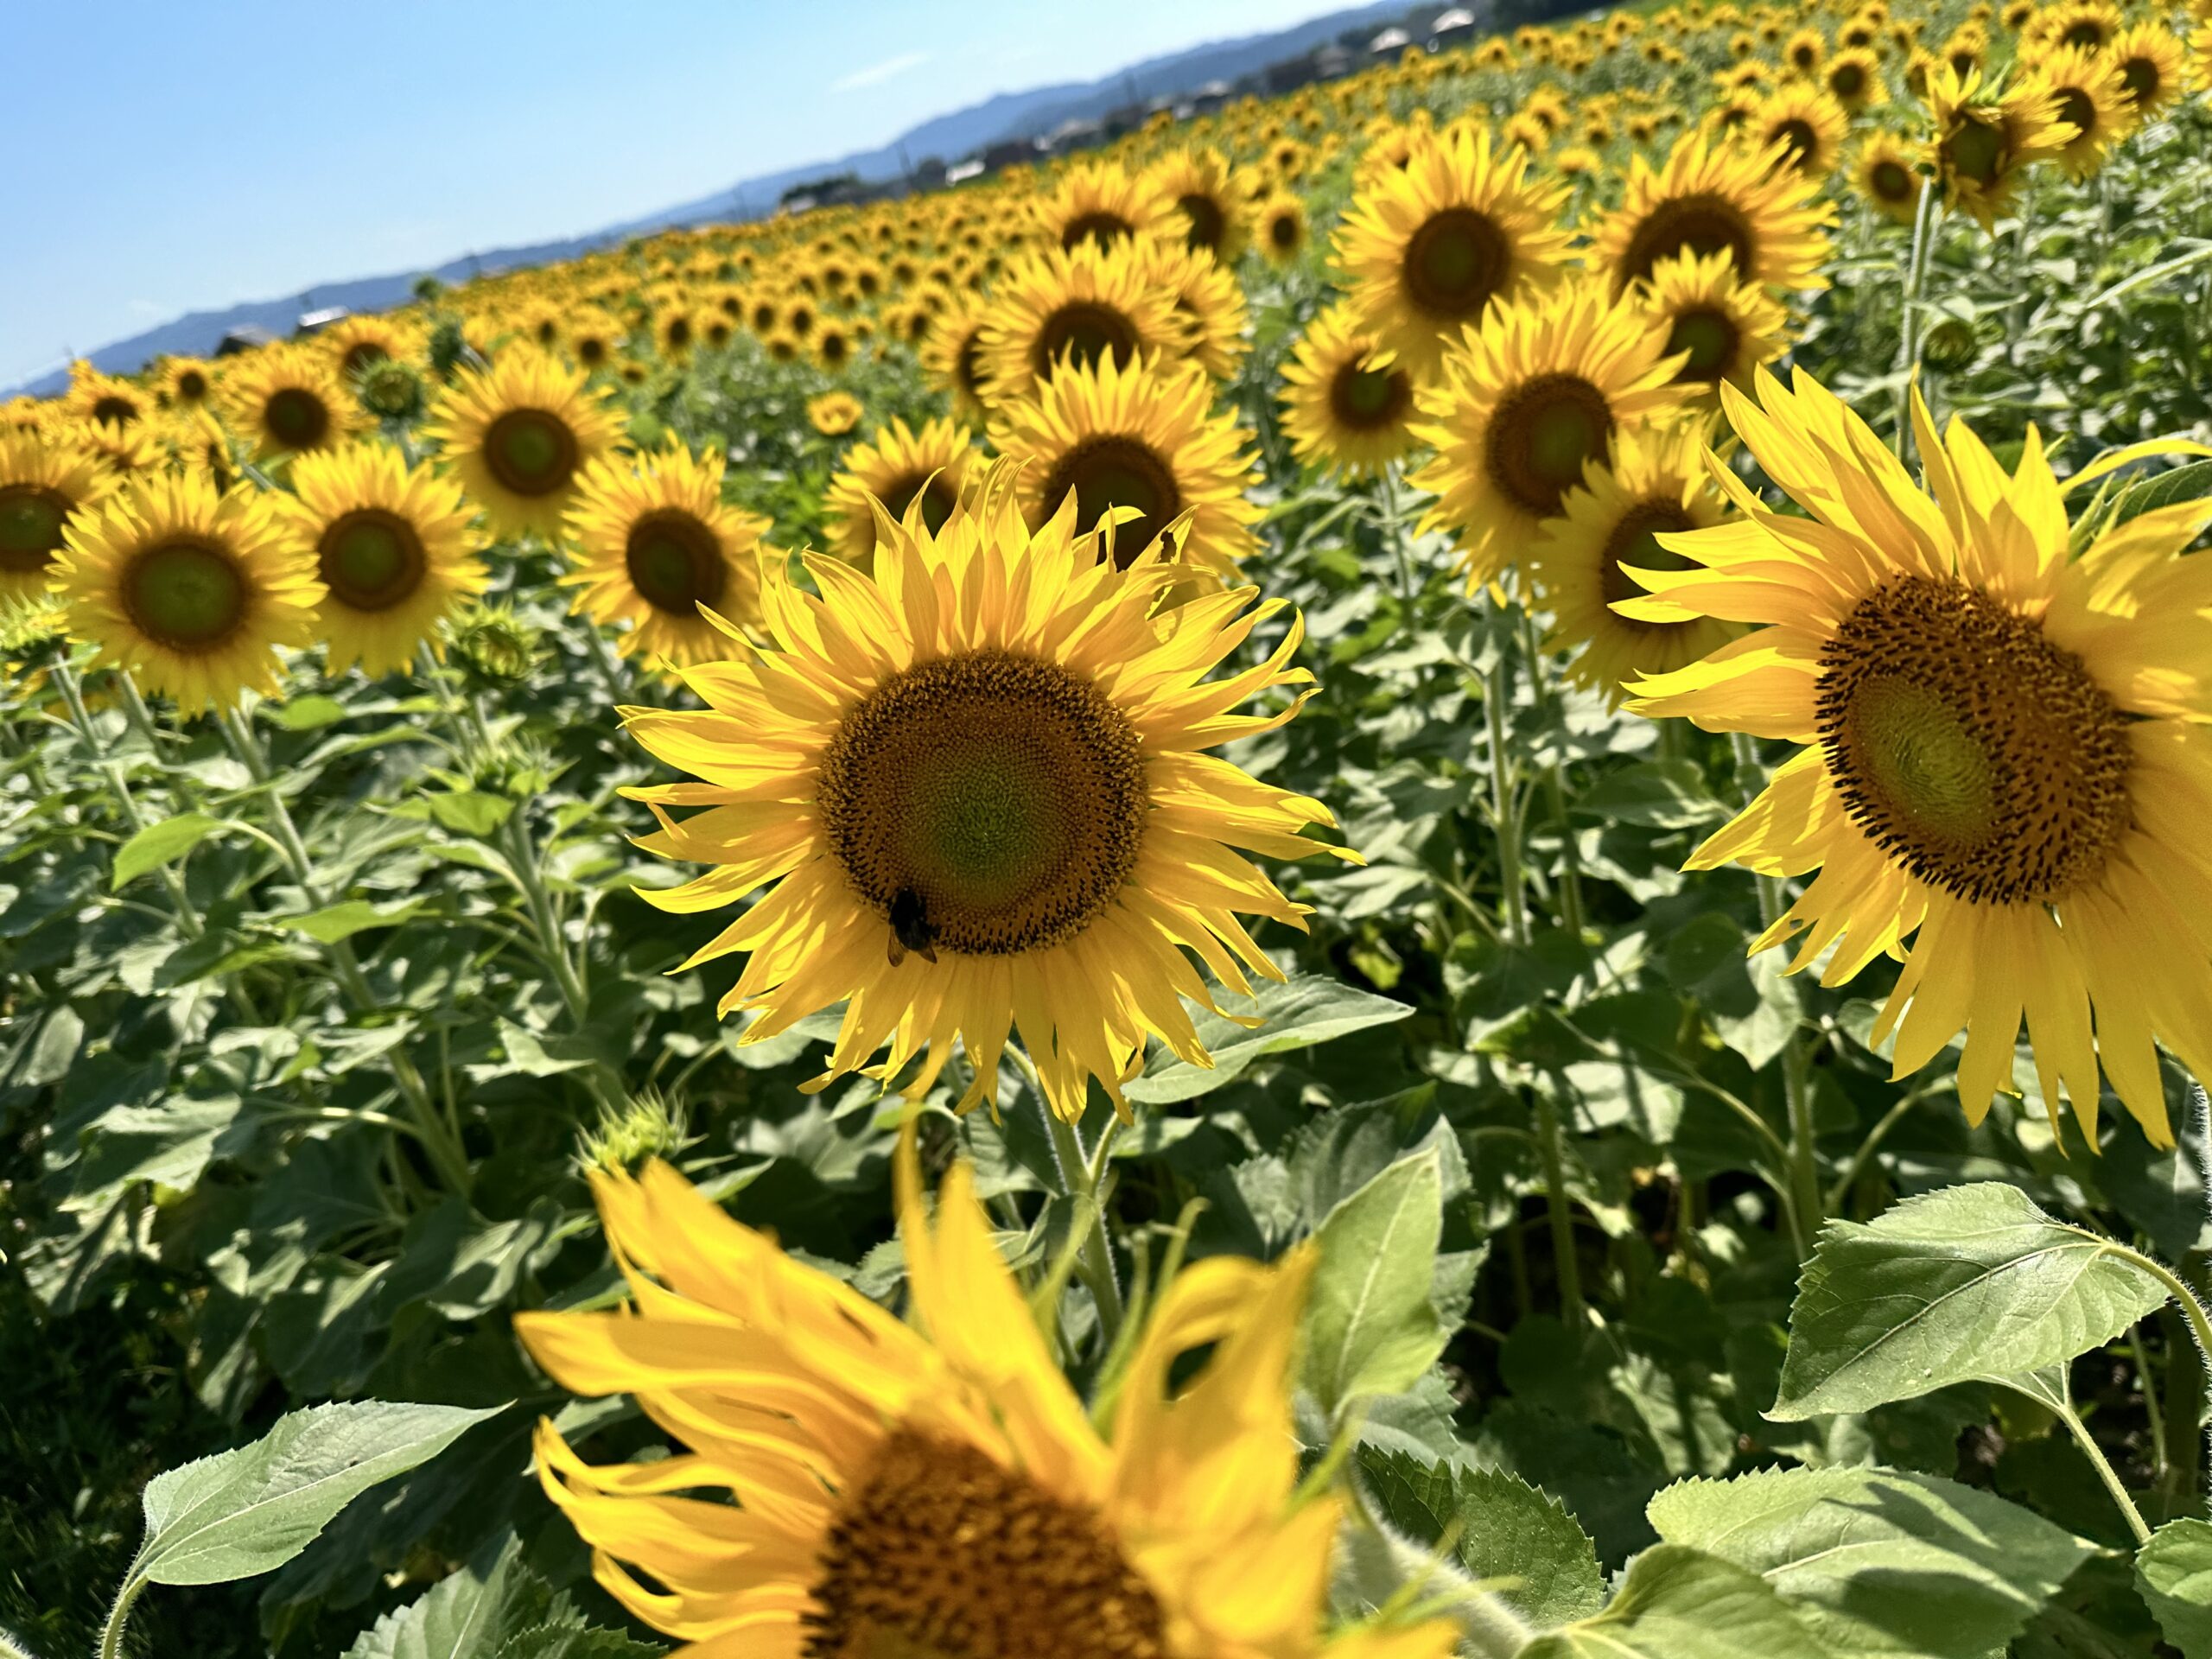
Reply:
x=949, y=137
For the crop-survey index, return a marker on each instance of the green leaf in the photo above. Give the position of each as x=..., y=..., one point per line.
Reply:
x=1877, y=1562
x=1523, y=1544
x=170, y=1143
x=1307, y=1010
x=246, y=1512
x=465, y=1616
x=1969, y=1281
x=159, y=844
x=1660, y=794
x=308, y=713
x=2174, y=1573
x=1680, y=1602
x=1370, y=1324
x=342, y=921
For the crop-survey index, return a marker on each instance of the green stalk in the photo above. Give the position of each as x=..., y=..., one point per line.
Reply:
x=2151, y=1407
x=2105, y=1472
x=1915, y=276
x=1551, y=1148
x=1497, y=689
x=1570, y=875
x=1807, y=1208
x=1394, y=529
x=188, y=915
x=1081, y=1177
x=439, y=1139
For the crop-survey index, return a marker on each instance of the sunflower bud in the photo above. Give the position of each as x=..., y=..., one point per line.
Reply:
x=1950, y=343
x=649, y=1126
x=390, y=390
x=448, y=348
x=496, y=646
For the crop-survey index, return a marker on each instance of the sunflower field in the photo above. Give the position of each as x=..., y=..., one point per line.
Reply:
x=1421, y=870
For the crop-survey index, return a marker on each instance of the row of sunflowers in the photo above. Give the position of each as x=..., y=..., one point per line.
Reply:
x=1576, y=674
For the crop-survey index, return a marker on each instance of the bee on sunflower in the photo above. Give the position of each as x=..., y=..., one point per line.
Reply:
x=189, y=591
x=2006, y=748
x=937, y=1487
x=516, y=433
x=392, y=546
x=973, y=779
x=655, y=547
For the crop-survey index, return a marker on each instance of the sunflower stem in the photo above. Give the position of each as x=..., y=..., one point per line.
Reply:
x=1080, y=1181
x=2105, y=1472
x=1807, y=1208
x=1551, y=1148
x=1505, y=821
x=1547, y=704
x=1916, y=275
x=64, y=677
x=440, y=1140
x=1395, y=527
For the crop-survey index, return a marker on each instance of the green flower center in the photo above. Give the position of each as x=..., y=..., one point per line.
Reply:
x=988, y=804
x=1892, y=181
x=1369, y=400
x=1540, y=436
x=531, y=452
x=676, y=562
x=295, y=418
x=1118, y=472
x=1710, y=338
x=31, y=517
x=371, y=560
x=189, y=596
x=1969, y=748
x=1455, y=263
x=1976, y=152
x=1635, y=543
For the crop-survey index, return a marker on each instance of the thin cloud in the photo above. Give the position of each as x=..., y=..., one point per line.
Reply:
x=876, y=74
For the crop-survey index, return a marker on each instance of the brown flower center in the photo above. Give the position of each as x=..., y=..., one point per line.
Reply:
x=996, y=801
x=531, y=452
x=937, y=504
x=186, y=594
x=1116, y=471
x=1206, y=220
x=372, y=559
x=1710, y=338
x=675, y=562
x=1973, y=750
x=1369, y=400
x=1088, y=331
x=296, y=418
x=1702, y=224
x=1540, y=435
x=1455, y=263
x=31, y=517
x=939, y=1553
x=1635, y=543
x=1100, y=226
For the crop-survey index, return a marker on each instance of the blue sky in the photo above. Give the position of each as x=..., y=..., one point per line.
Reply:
x=172, y=157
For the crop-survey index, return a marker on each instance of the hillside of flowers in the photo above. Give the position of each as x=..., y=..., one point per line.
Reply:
x=1419, y=870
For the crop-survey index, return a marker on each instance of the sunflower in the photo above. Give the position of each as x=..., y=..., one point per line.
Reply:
x=1282, y=233
x=1882, y=172
x=518, y=432
x=1209, y=310
x=1806, y=124
x=286, y=400
x=1608, y=526
x=2008, y=749
x=45, y=484
x=895, y=467
x=1201, y=186
x=1428, y=247
x=1142, y=438
x=653, y=542
x=186, y=382
x=189, y=591
x=975, y=777
x=1537, y=393
x=1080, y=308
x=1708, y=199
x=1723, y=328
x=936, y=1487
x=1102, y=202
x=1853, y=79
x=2092, y=99
x=352, y=343
x=952, y=357
x=1983, y=146
x=833, y=414
x=391, y=544
x=126, y=452
x=103, y=399
x=1808, y=49
x=594, y=338
x=1347, y=402
x=2151, y=66
x=2088, y=25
